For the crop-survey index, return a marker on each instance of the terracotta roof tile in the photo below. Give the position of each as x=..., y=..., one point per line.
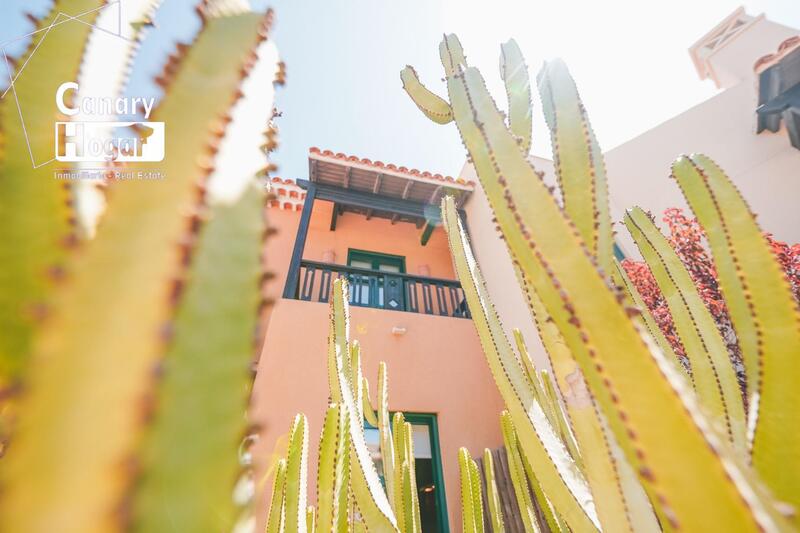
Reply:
x=770, y=59
x=390, y=166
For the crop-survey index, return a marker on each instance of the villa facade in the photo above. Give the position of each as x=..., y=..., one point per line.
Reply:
x=377, y=225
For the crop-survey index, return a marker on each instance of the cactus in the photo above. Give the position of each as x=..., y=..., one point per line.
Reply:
x=346, y=471
x=492, y=495
x=125, y=377
x=37, y=224
x=644, y=429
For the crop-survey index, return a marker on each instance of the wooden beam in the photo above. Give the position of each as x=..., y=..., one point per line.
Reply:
x=365, y=200
x=293, y=276
x=347, y=173
x=334, y=216
x=407, y=190
x=377, y=187
x=426, y=233
x=435, y=192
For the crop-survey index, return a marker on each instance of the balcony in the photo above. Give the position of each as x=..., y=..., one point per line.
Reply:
x=383, y=290
x=395, y=196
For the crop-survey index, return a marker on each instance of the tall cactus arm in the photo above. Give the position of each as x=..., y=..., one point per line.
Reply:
x=93, y=365
x=410, y=457
x=764, y=314
x=296, y=491
x=409, y=487
x=385, y=434
x=477, y=500
x=647, y=317
x=471, y=516
x=334, y=471
x=492, y=495
x=522, y=490
x=277, y=507
x=376, y=512
x=550, y=404
x=432, y=105
x=578, y=161
x=37, y=223
x=712, y=369
x=311, y=520
x=105, y=69
x=399, y=447
x=370, y=413
x=515, y=76
x=411, y=515
x=622, y=370
x=546, y=513
x=560, y=477
x=186, y=481
x=356, y=378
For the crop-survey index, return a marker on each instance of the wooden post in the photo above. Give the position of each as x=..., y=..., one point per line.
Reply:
x=293, y=277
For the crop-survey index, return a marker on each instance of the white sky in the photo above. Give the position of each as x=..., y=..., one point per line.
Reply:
x=343, y=58
x=629, y=58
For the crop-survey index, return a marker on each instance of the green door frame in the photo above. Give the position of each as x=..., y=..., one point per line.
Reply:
x=429, y=419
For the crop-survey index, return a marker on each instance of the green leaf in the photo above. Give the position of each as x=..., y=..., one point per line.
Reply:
x=35, y=235
x=432, y=105
x=632, y=382
x=492, y=495
x=559, y=475
x=471, y=514
x=277, y=504
x=647, y=318
x=385, y=433
x=186, y=480
x=514, y=72
x=296, y=491
x=311, y=520
x=93, y=364
x=376, y=512
x=578, y=161
x=712, y=370
x=522, y=491
x=764, y=314
x=334, y=471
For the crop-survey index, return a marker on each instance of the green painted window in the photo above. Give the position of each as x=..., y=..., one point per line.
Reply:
x=366, y=290
x=428, y=466
x=376, y=261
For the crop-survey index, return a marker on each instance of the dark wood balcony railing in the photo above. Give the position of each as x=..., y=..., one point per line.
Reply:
x=383, y=290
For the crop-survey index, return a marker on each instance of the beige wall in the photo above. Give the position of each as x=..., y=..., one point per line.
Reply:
x=764, y=166
x=437, y=366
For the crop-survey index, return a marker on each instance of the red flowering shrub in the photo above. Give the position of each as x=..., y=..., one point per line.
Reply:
x=688, y=240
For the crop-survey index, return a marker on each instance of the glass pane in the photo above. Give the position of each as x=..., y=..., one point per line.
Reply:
x=360, y=264
x=389, y=268
x=422, y=441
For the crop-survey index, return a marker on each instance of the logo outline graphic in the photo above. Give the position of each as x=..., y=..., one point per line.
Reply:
x=12, y=78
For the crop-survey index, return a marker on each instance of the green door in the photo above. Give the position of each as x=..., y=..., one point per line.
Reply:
x=428, y=467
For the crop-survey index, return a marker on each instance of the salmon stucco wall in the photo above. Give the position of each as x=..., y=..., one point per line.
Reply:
x=352, y=231
x=436, y=366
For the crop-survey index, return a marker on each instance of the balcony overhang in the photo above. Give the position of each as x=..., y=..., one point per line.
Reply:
x=382, y=190
x=373, y=189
